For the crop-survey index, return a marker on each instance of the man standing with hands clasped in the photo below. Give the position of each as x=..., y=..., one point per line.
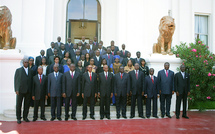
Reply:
x=182, y=89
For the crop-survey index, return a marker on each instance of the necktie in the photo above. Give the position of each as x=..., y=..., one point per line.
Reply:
x=56, y=76
x=72, y=75
x=108, y=56
x=106, y=76
x=112, y=53
x=77, y=58
x=152, y=79
x=40, y=79
x=90, y=77
x=136, y=75
x=123, y=52
x=121, y=75
x=95, y=43
x=166, y=73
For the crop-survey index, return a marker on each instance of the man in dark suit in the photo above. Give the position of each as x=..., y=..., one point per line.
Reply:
x=62, y=51
x=54, y=91
x=50, y=51
x=23, y=89
x=137, y=88
x=97, y=59
x=39, y=93
x=88, y=50
x=92, y=46
x=182, y=89
x=113, y=50
x=73, y=50
x=95, y=42
x=105, y=92
x=121, y=91
x=123, y=51
x=83, y=42
x=38, y=60
x=125, y=60
x=166, y=88
x=71, y=90
x=151, y=93
x=112, y=44
x=101, y=42
x=108, y=57
x=60, y=66
x=76, y=58
x=89, y=91
x=138, y=59
x=51, y=58
x=101, y=50
x=69, y=45
x=58, y=43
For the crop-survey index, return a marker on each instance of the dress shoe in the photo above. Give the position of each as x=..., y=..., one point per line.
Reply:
x=124, y=117
x=92, y=117
x=66, y=119
x=108, y=117
x=59, y=119
x=131, y=117
x=177, y=117
x=118, y=117
x=84, y=117
x=156, y=116
x=26, y=120
x=43, y=119
x=169, y=116
x=185, y=117
x=142, y=117
x=102, y=117
x=74, y=118
x=162, y=116
x=148, y=117
x=34, y=119
x=19, y=121
x=52, y=119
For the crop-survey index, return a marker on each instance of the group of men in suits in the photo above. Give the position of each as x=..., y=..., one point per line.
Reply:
x=104, y=85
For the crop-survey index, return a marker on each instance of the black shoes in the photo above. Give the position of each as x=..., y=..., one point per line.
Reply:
x=102, y=117
x=117, y=116
x=19, y=121
x=92, y=117
x=108, y=117
x=26, y=120
x=66, y=119
x=156, y=116
x=74, y=118
x=169, y=116
x=177, y=117
x=148, y=117
x=59, y=119
x=84, y=117
x=142, y=117
x=44, y=119
x=186, y=117
x=34, y=119
x=52, y=119
x=131, y=117
x=124, y=117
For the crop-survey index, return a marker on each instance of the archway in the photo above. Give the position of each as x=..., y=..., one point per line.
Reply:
x=83, y=19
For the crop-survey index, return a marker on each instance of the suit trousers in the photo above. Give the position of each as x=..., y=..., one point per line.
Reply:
x=121, y=104
x=56, y=102
x=19, y=98
x=74, y=105
x=165, y=98
x=137, y=97
x=148, y=106
x=178, y=104
x=105, y=105
x=92, y=103
x=40, y=102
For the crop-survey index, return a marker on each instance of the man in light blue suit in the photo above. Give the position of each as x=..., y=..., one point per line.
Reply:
x=108, y=57
x=54, y=91
x=166, y=88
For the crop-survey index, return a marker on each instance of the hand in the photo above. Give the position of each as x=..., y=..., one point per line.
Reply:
x=142, y=93
x=64, y=95
x=188, y=93
x=99, y=95
x=78, y=94
x=160, y=91
x=115, y=94
x=177, y=93
x=82, y=95
x=17, y=92
x=172, y=92
x=146, y=96
x=95, y=95
x=46, y=97
x=127, y=94
x=49, y=94
x=111, y=95
x=33, y=97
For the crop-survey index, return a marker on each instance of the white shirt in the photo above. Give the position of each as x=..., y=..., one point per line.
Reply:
x=82, y=63
x=151, y=77
x=40, y=75
x=44, y=69
x=183, y=74
x=91, y=46
x=26, y=70
x=165, y=71
x=90, y=73
x=136, y=71
x=106, y=73
x=56, y=73
x=71, y=73
x=97, y=57
x=63, y=51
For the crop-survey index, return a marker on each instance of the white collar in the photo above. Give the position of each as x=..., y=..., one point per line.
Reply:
x=105, y=73
x=73, y=72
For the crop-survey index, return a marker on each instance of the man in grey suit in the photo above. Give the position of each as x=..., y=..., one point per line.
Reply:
x=54, y=91
x=101, y=49
x=121, y=91
x=23, y=89
x=39, y=93
x=166, y=88
x=58, y=43
x=71, y=90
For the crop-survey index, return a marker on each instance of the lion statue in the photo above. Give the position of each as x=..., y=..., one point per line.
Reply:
x=166, y=29
x=6, y=40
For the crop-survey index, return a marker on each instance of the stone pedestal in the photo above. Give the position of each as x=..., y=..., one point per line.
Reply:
x=9, y=62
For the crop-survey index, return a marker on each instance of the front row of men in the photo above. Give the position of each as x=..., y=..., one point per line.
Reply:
x=69, y=86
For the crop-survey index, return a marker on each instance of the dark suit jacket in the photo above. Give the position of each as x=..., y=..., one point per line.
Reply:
x=75, y=61
x=166, y=84
x=22, y=81
x=51, y=59
x=40, y=90
x=49, y=53
x=136, y=61
x=103, y=52
x=89, y=87
x=91, y=52
x=61, y=54
x=136, y=85
x=125, y=61
x=116, y=48
x=122, y=86
x=72, y=52
x=124, y=56
x=58, y=46
x=105, y=86
x=55, y=86
x=151, y=89
x=181, y=83
x=38, y=60
x=69, y=47
x=51, y=70
x=109, y=61
x=96, y=62
x=71, y=86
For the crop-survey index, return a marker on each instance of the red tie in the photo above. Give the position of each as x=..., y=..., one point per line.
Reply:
x=152, y=79
x=90, y=77
x=106, y=76
x=121, y=75
x=40, y=79
x=166, y=73
x=72, y=75
x=123, y=52
x=112, y=53
x=108, y=56
x=136, y=75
